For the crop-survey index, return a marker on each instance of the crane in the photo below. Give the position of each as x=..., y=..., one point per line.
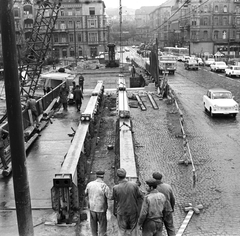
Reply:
x=37, y=45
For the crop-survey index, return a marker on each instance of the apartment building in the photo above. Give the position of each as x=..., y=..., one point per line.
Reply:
x=80, y=30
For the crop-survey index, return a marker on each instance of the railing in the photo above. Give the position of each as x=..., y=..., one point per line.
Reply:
x=66, y=189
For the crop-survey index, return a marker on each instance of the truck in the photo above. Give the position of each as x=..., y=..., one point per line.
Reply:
x=167, y=63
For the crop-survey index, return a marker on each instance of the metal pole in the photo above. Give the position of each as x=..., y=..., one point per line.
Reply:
x=120, y=15
x=157, y=72
x=14, y=112
x=75, y=43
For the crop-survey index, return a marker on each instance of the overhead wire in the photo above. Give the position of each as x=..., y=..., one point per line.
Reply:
x=186, y=2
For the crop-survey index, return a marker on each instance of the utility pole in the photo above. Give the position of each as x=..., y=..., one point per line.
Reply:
x=120, y=16
x=15, y=122
x=157, y=67
x=75, y=42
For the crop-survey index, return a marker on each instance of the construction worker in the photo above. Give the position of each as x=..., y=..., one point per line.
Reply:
x=63, y=94
x=3, y=135
x=166, y=189
x=32, y=105
x=98, y=192
x=81, y=81
x=126, y=195
x=151, y=216
x=77, y=96
x=133, y=70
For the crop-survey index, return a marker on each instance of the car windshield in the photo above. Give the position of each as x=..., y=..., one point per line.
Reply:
x=220, y=63
x=222, y=95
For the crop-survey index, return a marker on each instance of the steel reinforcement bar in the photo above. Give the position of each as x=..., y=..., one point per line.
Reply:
x=65, y=192
x=127, y=156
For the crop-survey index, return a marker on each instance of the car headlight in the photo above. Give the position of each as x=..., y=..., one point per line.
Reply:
x=236, y=106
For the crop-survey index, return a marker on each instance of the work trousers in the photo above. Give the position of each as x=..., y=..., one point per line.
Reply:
x=168, y=223
x=127, y=225
x=78, y=104
x=152, y=228
x=98, y=222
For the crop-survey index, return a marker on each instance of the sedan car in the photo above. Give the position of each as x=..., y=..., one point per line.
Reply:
x=220, y=101
x=200, y=61
x=209, y=61
x=232, y=71
x=218, y=66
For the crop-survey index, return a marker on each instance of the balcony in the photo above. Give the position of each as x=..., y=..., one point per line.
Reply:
x=65, y=44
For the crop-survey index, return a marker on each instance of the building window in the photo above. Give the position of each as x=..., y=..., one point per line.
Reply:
x=16, y=12
x=205, y=21
x=215, y=36
x=71, y=38
x=80, y=52
x=91, y=11
x=237, y=9
x=55, y=38
x=225, y=21
x=79, y=37
x=92, y=23
x=216, y=8
x=205, y=9
x=62, y=26
x=93, y=37
x=215, y=20
x=72, y=52
x=64, y=52
x=205, y=35
x=70, y=13
x=78, y=24
x=64, y=39
x=70, y=24
x=225, y=8
x=194, y=35
x=56, y=25
x=62, y=12
x=194, y=22
x=238, y=20
x=234, y=34
x=224, y=34
x=237, y=35
x=78, y=12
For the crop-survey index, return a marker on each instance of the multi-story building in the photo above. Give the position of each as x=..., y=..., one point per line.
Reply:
x=80, y=30
x=209, y=26
x=159, y=22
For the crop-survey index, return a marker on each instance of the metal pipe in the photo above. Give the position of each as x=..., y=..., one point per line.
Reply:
x=15, y=121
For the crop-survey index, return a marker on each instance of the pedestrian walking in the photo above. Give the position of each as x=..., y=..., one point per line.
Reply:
x=63, y=94
x=98, y=193
x=81, y=81
x=3, y=136
x=153, y=207
x=133, y=70
x=126, y=195
x=77, y=96
x=166, y=189
x=32, y=105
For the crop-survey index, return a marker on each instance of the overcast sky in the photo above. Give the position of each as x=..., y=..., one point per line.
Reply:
x=133, y=3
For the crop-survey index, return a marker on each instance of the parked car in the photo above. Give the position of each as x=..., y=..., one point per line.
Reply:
x=232, y=71
x=209, y=61
x=200, y=61
x=185, y=58
x=127, y=49
x=220, y=101
x=191, y=64
x=218, y=66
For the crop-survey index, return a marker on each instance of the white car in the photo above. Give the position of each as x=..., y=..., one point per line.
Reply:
x=232, y=71
x=218, y=66
x=220, y=101
x=127, y=49
x=200, y=61
x=209, y=61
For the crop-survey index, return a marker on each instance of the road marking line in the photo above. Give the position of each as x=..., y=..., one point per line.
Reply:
x=185, y=223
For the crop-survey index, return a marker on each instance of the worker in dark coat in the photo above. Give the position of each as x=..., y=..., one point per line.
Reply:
x=32, y=105
x=63, y=94
x=81, y=81
x=3, y=135
x=77, y=96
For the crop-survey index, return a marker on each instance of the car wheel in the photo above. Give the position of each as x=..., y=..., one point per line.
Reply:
x=205, y=109
x=234, y=115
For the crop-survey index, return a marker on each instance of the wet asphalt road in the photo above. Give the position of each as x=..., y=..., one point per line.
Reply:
x=215, y=147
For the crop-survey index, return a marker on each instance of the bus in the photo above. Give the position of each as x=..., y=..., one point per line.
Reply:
x=176, y=51
x=167, y=63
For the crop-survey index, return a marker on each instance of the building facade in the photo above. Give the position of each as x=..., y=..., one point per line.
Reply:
x=80, y=30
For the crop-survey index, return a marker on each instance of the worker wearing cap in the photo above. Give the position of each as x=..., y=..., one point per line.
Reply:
x=153, y=207
x=98, y=193
x=126, y=195
x=166, y=189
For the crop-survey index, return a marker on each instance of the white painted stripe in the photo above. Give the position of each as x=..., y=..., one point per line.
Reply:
x=185, y=223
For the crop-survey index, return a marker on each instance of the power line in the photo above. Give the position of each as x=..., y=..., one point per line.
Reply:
x=186, y=2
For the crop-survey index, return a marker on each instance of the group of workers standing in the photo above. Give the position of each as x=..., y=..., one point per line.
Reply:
x=136, y=211
x=77, y=94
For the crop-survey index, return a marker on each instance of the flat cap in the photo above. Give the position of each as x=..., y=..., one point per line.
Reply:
x=100, y=173
x=157, y=176
x=121, y=173
x=151, y=182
